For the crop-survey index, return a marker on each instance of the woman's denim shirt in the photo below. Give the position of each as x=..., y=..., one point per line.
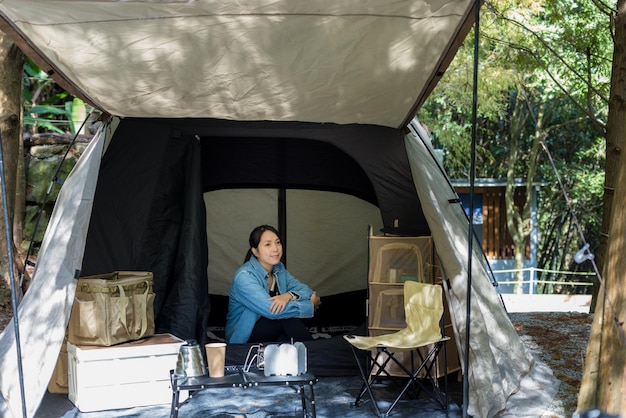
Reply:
x=249, y=299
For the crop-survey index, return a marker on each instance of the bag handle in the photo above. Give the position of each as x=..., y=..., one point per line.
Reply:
x=123, y=303
x=90, y=288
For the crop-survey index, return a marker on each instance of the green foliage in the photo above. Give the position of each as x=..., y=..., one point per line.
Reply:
x=48, y=108
x=449, y=107
x=550, y=58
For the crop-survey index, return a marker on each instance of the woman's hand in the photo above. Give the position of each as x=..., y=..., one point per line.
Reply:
x=279, y=302
x=317, y=301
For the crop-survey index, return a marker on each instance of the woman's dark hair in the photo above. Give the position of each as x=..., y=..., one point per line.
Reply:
x=255, y=238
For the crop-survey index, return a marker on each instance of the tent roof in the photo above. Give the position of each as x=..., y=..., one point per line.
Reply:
x=366, y=62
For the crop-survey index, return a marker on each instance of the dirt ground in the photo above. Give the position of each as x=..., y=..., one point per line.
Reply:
x=560, y=340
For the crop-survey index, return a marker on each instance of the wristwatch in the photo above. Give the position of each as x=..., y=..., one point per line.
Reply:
x=294, y=295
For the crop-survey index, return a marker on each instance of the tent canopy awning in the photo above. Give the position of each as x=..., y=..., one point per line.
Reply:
x=365, y=62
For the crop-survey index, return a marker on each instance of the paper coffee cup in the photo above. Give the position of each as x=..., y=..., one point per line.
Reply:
x=215, y=356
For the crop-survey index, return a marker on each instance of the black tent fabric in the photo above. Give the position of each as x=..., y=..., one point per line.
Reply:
x=366, y=161
x=302, y=164
x=148, y=215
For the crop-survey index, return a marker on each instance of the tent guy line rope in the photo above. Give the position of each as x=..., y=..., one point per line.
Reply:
x=585, y=250
x=55, y=179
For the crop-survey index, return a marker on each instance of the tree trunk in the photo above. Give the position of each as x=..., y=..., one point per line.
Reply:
x=11, y=71
x=518, y=220
x=614, y=144
x=611, y=383
x=603, y=384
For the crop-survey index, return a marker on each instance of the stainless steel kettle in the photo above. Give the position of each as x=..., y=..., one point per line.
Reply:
x=190, y=361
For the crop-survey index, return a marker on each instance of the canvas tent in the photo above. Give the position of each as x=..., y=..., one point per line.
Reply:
x=224, y=115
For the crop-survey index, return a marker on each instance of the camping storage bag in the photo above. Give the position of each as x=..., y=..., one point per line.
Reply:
x=59, y=380
x=112, y=308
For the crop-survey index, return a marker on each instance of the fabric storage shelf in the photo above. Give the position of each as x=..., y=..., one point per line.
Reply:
x=394, y=260
x=387, y=306
x=132, y=374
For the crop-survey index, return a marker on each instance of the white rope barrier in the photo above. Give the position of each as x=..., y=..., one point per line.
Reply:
x=562, y=272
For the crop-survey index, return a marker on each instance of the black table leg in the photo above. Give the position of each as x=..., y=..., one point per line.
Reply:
x=305, y=407
x=175, y=396
x=312, y=399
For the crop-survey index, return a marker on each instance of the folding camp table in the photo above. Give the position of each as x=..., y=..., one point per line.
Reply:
x=236, y=377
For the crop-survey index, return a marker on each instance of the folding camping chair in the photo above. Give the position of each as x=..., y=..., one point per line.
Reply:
x=422, y=337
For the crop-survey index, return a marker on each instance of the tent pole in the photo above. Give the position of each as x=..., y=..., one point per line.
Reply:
x=470, y=233
x=9, y=242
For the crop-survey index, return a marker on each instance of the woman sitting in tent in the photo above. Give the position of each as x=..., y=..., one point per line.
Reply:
x=266, y=302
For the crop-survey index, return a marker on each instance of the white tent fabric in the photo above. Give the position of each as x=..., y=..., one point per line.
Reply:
x=498, y=359
x=44, y=312
x=245, y=60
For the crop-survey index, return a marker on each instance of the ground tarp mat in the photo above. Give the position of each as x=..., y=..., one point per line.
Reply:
x=333, y=398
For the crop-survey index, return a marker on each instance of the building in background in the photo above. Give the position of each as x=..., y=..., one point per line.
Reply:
x=490, y=227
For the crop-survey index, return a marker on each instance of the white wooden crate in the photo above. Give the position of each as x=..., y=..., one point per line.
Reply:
x=132, y=374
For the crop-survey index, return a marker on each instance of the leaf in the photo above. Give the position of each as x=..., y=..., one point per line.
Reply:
x=41, y=110
x=77, y=115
